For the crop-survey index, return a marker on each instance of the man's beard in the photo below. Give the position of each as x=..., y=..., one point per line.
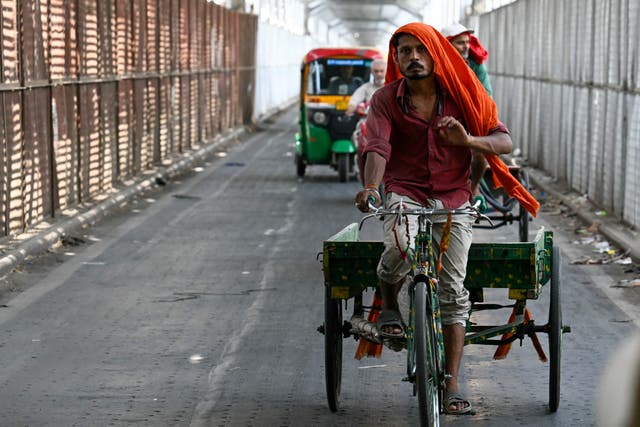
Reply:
x=416, y=76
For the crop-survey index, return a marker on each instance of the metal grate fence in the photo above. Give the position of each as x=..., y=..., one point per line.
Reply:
x=94, y=93
x=566, y=77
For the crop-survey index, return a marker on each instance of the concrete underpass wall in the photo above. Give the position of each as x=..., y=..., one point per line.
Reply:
x=566, y=78
x=285, y=34
x=279, y=55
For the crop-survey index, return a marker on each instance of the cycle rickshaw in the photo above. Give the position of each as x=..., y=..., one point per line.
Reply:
x=523, y=268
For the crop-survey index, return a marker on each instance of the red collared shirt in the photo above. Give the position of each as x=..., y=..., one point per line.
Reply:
x=419, y=164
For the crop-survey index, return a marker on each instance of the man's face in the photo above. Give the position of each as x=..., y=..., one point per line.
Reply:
x=378, y=70
x=461, y=43
x=413, y=58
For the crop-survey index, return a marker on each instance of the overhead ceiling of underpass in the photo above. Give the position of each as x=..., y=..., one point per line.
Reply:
x=360, y=22
x=367, y=22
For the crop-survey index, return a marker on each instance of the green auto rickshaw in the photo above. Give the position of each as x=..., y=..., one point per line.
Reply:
x=328, y=78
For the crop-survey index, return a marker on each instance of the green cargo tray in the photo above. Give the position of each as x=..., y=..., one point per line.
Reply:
x=524, y=267
x=521, y=267
x=350, y=265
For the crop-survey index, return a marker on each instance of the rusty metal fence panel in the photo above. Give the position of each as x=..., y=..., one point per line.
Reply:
x=96, y=93
x=566, y=78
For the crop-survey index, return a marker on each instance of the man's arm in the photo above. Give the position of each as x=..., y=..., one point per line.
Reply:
x=374, y=169
x=357, y=97
x=478, y=167
x=373, y=172
x=452, y=131
x=377, y=150
x=496, y=143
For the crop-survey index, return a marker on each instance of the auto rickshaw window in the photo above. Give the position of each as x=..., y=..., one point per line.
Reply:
x=331, y=76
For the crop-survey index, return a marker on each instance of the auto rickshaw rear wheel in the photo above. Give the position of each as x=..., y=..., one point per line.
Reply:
x=343, y=166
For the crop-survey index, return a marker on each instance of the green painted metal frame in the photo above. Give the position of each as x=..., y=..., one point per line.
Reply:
x=350, y=265
x=522, y=267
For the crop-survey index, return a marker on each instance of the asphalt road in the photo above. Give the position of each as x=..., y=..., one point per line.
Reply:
x=197, y=305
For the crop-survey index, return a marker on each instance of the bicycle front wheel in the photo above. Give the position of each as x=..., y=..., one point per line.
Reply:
x=426, y=369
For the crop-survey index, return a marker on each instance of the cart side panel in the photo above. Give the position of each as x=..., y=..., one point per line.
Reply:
x=501, y=265
x=349, y=265
x=522, y=267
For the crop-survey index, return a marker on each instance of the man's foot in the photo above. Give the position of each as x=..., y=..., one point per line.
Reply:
x=456, y=404
x=390, y=324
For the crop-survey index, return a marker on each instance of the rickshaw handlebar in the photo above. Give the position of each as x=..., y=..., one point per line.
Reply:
x=472, y=210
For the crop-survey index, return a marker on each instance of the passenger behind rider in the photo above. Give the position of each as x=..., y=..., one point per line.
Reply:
x=422, y=129
x=471, y=50
x=474, y=55
x=364, y=92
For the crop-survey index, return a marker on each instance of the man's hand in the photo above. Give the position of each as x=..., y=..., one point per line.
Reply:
x=362, y=199
x=451, y=131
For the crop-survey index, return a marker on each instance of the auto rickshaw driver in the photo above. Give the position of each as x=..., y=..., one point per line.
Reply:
x=345, y=83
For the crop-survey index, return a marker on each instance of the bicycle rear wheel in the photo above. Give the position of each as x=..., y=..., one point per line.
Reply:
x=333, y=350
x=555, y=332
x=426, y=368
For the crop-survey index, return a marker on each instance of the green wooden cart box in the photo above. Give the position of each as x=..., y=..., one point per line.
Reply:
x=523, y=267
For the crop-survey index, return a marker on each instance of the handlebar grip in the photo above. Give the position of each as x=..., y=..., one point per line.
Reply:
x=371, y=202
x=479, y=203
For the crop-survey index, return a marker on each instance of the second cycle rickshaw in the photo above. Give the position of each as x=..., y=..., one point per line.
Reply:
x=501, y=209
x=524, y=268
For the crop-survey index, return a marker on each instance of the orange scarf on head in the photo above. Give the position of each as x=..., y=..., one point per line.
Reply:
x=478, y=109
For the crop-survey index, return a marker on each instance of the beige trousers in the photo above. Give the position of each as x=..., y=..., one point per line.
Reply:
x=454, y=298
